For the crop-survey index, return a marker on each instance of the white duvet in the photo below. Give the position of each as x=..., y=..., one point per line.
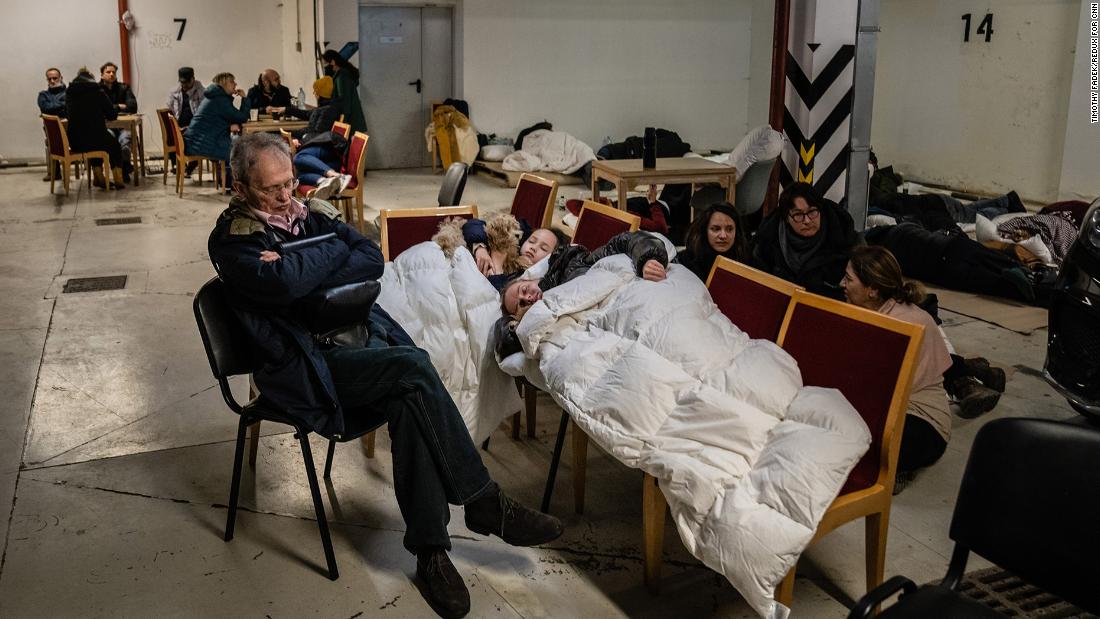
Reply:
x=448, y=308
x=549, y=151
x=747, y=457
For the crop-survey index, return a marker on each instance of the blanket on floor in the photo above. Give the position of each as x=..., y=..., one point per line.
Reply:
x=748, y=458
x=448, y=308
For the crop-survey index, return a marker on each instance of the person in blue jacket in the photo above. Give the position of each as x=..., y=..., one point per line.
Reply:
x=336, y=390
x=217, y=118
x=52, y=101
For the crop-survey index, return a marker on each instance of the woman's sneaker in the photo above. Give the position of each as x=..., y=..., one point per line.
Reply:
x=325, y=188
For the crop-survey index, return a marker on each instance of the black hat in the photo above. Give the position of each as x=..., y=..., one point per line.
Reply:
x=186, y=74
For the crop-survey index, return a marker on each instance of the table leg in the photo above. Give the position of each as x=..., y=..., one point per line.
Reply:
x=134, y=153
x=595, y=186
x=731, y=189
x=622, y=187
x=141, y=146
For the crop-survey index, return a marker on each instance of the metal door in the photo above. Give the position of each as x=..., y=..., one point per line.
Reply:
x=405, y=55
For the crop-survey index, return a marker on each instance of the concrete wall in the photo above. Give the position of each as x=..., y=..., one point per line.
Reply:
x=213, y=41
x=610, y=68
x=986, y=116
x=1080, y=174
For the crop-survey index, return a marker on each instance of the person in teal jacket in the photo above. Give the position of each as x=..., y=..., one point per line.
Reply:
x=345, y=94
x=209, y=132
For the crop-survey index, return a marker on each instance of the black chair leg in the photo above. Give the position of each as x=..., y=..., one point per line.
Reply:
x=549, y=491
x=328, y=458
x=235, y=486
x=318, y=506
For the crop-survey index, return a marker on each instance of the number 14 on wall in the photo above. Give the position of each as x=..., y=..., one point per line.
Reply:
x=984, y=27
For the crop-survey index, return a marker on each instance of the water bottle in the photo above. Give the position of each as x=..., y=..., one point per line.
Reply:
x=649, y=149
x=301, y=97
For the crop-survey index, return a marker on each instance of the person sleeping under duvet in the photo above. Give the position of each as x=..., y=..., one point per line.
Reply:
x=647, y=254
x=502, y=246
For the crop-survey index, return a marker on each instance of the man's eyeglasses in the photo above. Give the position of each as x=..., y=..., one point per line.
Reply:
x=801, y=216
x=275, y=190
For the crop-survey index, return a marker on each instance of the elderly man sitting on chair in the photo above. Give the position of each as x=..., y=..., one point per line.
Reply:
x=329, y=386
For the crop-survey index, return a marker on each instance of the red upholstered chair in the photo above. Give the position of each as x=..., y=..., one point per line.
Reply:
x=755, y=301
x=167, y=138
x=403, y=228
x=597, y=223
x=58, y=142
x=342, y=128
x=870, y=358
x=356, y=166
x=534, y=200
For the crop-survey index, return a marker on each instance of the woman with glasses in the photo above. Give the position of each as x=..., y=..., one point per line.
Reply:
x=210, y=131
x=806, y=241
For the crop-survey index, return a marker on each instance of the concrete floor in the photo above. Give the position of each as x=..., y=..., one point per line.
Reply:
x=116, y=453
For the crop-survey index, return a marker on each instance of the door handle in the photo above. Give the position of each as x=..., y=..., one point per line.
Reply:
x=417, y=83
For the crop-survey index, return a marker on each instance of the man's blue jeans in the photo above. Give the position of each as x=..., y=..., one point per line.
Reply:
x=435, y=461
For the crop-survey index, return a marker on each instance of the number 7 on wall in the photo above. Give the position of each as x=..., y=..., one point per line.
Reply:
x=984, y=27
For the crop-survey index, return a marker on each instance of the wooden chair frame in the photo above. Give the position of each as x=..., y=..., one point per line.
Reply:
x=360, y=179
x=872, y=502
x=610, y=211
x=466, y=211
x=548, y=212
x=165, y=131
x=756, y=275
x=68, y=158
x=342, y=128
x=289, y=141
x=182, y=159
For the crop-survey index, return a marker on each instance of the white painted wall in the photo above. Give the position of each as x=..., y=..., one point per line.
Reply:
x=1080, y=176
x=87, y=34
x=986, y=116
x=610, y=68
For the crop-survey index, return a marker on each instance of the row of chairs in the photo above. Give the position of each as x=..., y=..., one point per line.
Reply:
x=821, y=334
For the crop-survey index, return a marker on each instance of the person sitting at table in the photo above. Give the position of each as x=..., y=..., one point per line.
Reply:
x=717, y=231
x=89, y=109
x=806, y=241
x=268, y=95
x=122, y=97
x=216, y=119
x=183, y=101
x=52, y=101
x=321, y=117
x=345, y=93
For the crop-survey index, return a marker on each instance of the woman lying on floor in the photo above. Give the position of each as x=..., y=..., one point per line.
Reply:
x=873, y=280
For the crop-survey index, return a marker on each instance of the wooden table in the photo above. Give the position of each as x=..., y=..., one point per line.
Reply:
x=627, y=174
x=273, y=126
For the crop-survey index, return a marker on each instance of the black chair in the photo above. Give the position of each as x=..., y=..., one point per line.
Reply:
x=229, y=351
x=454, y=182
x=1029, y=502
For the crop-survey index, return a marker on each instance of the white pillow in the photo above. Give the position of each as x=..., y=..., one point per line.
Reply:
x=986, y=230
x=1036, y=246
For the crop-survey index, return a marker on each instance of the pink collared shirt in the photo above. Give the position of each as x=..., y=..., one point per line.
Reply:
x=289, y=223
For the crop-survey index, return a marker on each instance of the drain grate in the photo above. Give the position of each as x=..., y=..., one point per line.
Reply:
x=1010, y=596
x=95, y=284
x=117, y=221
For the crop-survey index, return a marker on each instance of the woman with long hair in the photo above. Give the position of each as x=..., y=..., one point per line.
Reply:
x=718, y=231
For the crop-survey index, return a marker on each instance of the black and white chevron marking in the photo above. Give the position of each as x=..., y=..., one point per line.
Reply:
x=819, y=139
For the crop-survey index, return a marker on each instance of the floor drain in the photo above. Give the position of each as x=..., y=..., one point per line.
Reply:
x=95, y=284
x=117, y=221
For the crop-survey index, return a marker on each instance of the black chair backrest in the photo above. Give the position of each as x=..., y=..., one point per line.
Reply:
x=1030, y=502
x=454, y=182
x=228, y=347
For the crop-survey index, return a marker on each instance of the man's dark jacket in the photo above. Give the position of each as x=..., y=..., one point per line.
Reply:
x=52, y=101
x=120, y=93
x=260, y=99
x=263, y=294
x=88, y=110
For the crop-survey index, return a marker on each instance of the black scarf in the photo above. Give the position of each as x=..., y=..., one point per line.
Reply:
x=797, y=250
